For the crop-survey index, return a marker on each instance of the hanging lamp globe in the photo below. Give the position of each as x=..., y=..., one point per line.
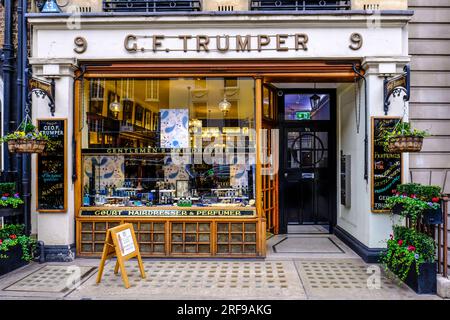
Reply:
x=115, y=106
x=224, y=106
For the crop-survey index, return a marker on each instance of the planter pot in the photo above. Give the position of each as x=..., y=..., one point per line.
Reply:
x=405, y=144
x=10, y=212
x=425, y=282
x=11, y=260
x=433, y=216
x=26, y=146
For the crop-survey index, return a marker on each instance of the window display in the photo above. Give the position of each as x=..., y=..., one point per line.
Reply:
x=187, y=142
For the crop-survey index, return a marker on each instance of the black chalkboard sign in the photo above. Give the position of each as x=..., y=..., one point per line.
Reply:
x=51, y=168
x=386, y=167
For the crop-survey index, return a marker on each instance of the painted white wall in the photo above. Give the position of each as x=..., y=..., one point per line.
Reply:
x=56, y=228
x=372, y=229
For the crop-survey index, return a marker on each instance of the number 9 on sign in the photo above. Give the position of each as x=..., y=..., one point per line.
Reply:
x=356, y=40
x=80, y=45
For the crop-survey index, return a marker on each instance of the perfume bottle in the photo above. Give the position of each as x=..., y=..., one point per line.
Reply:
x=86, y=198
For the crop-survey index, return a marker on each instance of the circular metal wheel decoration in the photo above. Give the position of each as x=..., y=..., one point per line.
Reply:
x=318, y=143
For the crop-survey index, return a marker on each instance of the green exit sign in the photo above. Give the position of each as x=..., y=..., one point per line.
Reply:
x=303, y=115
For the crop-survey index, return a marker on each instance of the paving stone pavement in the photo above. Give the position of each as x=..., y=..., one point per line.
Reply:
x=324, y=268
x=224, y=279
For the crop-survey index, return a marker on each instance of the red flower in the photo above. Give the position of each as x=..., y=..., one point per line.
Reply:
x=411, y=248
x=400, y=242
x=394, y=191
x=413, y=196
x=6, y=194
x=435, y=199
x=13, y=236
x=1, y=241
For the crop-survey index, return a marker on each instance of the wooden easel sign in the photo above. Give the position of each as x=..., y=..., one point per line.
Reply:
x=121, y=242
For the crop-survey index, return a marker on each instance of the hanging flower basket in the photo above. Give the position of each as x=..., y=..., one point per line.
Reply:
x=401, y=144
x=403, y=138
x=26, y=146
x=26, y=139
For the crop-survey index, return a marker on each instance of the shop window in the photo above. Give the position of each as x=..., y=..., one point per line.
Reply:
x=169, y=142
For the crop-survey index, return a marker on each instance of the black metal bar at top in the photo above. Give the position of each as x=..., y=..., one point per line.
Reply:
x=151, y=5
x=299, y=5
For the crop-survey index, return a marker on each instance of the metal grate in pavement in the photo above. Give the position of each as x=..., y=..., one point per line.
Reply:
x=52, y=278
x=348, y=279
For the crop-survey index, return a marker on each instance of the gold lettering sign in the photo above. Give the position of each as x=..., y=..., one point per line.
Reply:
x=167, y=212
x=221, y=43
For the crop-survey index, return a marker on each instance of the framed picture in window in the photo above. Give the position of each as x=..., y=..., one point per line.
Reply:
x=128, y=111
x=139, y=115
x=182, y=188
x=148, y=119
x=155, y=121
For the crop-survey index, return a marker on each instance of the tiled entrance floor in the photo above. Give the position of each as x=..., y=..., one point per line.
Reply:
x=307, y=245
x=295, y=246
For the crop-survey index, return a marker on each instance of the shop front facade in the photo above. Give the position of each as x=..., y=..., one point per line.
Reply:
x=209, y=130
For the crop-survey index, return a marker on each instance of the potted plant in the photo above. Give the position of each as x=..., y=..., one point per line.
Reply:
x=16, y=248
x=403, y=138
x=416, y=201
x=410, y=255
x=10, y=200
x=26, y=139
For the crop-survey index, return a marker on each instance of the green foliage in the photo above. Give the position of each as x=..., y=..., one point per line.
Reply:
x=404, y=129
x=27, y=127
x=415, y=199
x=10, y=202
x=424, y=244
x=7, y=187
x=9, y=229
x=426, y=193
x=13, y=235
x=26, y=131
x=35, y=135
x=8, y=195
x=412, y=208
x=407, y=248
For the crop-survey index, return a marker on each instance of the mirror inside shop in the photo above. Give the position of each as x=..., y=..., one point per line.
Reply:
x=185, y=142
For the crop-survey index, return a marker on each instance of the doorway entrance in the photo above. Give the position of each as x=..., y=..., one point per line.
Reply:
x=307, y=158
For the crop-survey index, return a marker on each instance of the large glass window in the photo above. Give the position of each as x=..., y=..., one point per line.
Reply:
x=165, y=142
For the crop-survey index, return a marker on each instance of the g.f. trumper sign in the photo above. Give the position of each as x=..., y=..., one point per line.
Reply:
x=291, y=41
x=220, y=43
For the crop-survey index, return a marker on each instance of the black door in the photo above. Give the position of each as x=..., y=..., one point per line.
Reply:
x=308, y=158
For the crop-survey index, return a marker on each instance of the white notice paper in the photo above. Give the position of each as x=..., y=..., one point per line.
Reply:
x=126, y=243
